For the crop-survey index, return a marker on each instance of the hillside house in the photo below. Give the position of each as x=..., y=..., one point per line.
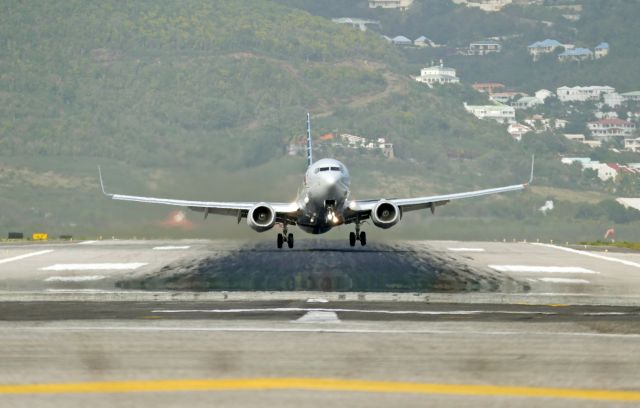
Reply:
x=484, y=47
x=390, y=4
x=601, y=50
x=543, y=94
x=576, y=54
x=401, y=40
x=631, y=96
x=505, y=97
x=423, y=41
x=632, y=145
x=612, y=99
x=575, y=137
x=356, y=23
x=527, y=102
x=438, y=75
x=608, y=129
x=485, y=5
x=538, y=48
x=582, y=93
x=517, y=130
x=500, y=113
x=488, y=87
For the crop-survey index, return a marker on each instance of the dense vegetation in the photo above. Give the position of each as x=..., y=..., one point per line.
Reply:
x=211, y=92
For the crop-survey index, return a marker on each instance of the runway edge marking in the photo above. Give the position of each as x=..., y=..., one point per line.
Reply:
x=24, y=256
x=585, y=253
x=320, y=384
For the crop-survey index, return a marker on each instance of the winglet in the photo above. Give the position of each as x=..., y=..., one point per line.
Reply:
x=533, y=160
x=102, y=183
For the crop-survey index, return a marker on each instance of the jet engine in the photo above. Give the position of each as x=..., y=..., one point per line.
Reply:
x=262, y=217
x=385, y=214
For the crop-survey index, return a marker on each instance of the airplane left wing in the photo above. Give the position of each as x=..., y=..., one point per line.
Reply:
x=237, y=209
x=360, y=208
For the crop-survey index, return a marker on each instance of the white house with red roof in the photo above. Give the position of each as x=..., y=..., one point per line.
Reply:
x=611, y=128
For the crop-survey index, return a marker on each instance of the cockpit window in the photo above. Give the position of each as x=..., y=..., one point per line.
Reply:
x=324, y=168
x=335, y=168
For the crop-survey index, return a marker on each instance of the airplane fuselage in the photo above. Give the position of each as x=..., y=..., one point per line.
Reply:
x=324, y=196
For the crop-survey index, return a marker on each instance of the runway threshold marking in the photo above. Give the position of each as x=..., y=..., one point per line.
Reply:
x=541, y=269
x=171, y=247
x=592, y=255
x=465, y=249
x=95, y=267
x=318, y=317
x=319, y=384
x=24, y=256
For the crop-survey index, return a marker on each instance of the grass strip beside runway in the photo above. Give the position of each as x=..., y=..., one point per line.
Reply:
x=318, y=384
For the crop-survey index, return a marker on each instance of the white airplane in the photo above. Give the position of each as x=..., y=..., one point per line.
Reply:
x=323, y=203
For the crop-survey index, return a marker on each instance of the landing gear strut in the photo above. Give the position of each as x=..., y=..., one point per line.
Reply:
x=285, y=237
x=357, y=236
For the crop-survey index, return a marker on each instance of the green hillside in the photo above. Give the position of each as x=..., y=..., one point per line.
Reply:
x=199, y=99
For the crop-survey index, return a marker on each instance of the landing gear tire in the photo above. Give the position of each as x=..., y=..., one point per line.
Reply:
x=280, y=240
x=352, y=239
x=290, y=240
x=363, y=238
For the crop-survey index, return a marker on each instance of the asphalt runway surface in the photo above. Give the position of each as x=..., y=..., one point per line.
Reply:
x=542, y=325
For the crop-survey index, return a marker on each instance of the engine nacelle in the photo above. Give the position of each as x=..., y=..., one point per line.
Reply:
x=262, y=217
x=385, y=214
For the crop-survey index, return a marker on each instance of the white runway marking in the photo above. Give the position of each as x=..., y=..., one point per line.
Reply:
x=465, y=249
x=24, y=256
x=391, y=312
x=95, y=267
x=563, y=280
x=170, y=248
x=319, y=317
x=317, y=300
x=585, y=253
x=87, y=242
x=74, y=278
x=541, y=269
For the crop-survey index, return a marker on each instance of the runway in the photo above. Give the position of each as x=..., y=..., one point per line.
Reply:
x=559, y=327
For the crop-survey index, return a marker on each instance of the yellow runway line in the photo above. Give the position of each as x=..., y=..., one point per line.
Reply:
x=318, y=384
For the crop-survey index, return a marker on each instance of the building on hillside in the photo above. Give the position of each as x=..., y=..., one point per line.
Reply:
x=605, y=115
x=484, y=47
x=582, y=93
x=505, y=97
x=601, y=50
x=575, y=137
x=438, y=74
x=608, y=129
x=423, y=41
x=543, y=94
x=390, y=4
x=631, y=96
x=488, y=87
x=357, y=23
x=485, y=5
x=401, y=40
x=613, y=99
x=500, y=113
x=593, y=143
x=538, y=48
x=517, y=130
x=605, y=171
x=576, y=54
x=527, y=102
x=632, y=145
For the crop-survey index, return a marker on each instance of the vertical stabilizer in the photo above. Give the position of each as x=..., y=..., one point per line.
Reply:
x=309, y=142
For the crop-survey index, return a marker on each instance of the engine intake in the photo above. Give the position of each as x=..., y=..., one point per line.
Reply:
x=262, y=217
x=385, y=214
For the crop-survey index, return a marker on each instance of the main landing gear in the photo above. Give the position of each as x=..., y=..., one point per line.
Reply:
x=357, y=236
x=285, y=237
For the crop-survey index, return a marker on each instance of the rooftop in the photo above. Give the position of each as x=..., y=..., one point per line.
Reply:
x=545, y=43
